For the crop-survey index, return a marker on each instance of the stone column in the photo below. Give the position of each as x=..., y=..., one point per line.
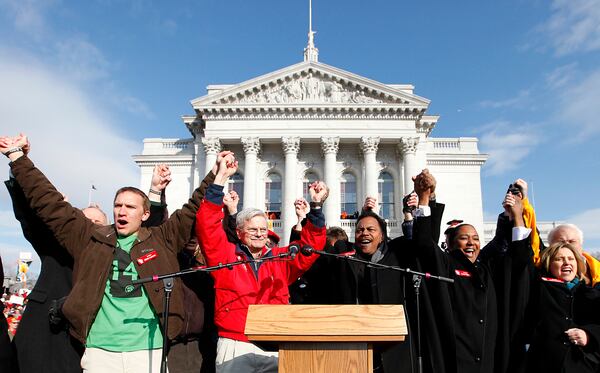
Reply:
x=331, y=208
x=212, y=147
x=251, y=147
x=368, y=146
x=408, y=149
x=199, y=163
x=291, y=147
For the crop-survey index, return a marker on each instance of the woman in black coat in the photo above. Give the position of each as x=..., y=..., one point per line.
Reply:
x=461, y=324
x=563, y=313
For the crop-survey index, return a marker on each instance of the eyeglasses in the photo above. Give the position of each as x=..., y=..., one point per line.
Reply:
x=254, y=231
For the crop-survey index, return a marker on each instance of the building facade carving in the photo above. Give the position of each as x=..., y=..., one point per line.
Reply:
x=290, y=144
x=250, y=144
x=308, y=89
x=408, y=145
x=212, y=145
x=369, y=144
x=330, y=144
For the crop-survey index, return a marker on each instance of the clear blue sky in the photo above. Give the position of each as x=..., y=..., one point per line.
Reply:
x=88, y=80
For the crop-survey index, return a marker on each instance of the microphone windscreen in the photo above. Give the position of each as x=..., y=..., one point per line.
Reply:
x=293, y=250
x=307, y=250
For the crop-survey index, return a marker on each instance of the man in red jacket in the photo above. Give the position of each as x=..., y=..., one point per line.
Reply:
x=260, y=280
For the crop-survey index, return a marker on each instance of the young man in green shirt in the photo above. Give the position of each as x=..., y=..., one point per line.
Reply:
x=119, y=323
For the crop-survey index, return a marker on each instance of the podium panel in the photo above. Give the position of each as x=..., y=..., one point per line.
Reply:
x=326, y=338
x=301, y=357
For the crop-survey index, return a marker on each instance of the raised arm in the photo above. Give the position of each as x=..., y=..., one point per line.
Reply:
x=209, y=229
x=302, y=208
x=34, y=230
x=313, y=234
x=426, y=248
x=179, y=228
x=161, y=177
x=68, y=224
x=231, y=201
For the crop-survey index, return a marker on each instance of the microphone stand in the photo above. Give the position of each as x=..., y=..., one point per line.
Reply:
x=417, y=278
x=168, y=283
x=426, y=275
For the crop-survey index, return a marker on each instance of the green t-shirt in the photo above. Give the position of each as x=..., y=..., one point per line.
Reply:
x=125, y=321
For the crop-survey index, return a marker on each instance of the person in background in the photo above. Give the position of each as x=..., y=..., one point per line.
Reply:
x=571, y=234
x=43, y=343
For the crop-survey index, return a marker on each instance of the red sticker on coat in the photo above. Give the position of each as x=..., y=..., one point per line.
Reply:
x=148, y=257
x=551, y=279
x=462, y=273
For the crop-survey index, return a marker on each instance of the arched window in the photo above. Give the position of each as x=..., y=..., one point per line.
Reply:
x=273, y=195
x=386, y=195
x=309, y=178
x=348, y=205
x=236, y=183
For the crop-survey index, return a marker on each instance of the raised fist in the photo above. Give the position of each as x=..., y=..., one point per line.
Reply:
x=318, y=191
x=425, y=183
x=231, y=200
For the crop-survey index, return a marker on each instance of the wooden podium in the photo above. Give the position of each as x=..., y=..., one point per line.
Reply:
x=326, y=338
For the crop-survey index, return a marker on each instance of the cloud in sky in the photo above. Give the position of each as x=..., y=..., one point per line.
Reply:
x=589, y=222
x=506, y=146
x=81, y=60
x=562, y=76
x=574, y=26
x=28, y=15
x=579, y=111
x=522, y=99
x=73, y=141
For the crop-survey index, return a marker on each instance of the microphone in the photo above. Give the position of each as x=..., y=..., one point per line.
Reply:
x=308, y=250
x=293, y=250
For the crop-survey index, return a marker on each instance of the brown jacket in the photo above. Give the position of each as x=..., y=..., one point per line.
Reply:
x=92, y=248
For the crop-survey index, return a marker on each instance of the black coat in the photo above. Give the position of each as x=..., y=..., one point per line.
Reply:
x=387, y=287
x=7, y=362
x=551, y=310
x=42, y=347
x=460, y=320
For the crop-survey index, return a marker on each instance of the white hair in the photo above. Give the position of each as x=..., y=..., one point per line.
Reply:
x=247, y=214
x=554, y=230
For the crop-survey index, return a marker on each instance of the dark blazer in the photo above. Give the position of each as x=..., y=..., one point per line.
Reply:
x=40, y=346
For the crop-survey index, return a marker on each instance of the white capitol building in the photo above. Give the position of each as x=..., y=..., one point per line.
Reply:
x=312, y=121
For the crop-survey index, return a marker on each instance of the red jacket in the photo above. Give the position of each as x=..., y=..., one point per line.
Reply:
x=243, y=285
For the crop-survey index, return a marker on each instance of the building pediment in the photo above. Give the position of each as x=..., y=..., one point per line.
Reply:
x=309, y=84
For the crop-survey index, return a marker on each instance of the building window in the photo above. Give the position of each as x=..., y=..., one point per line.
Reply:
x=236, y=183
x=386, y=195
x=273, y=196
x=309, y=178
x=348, y=206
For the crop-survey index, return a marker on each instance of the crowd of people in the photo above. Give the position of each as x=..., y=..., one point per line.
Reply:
x=12, y=311
x=514, y=305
